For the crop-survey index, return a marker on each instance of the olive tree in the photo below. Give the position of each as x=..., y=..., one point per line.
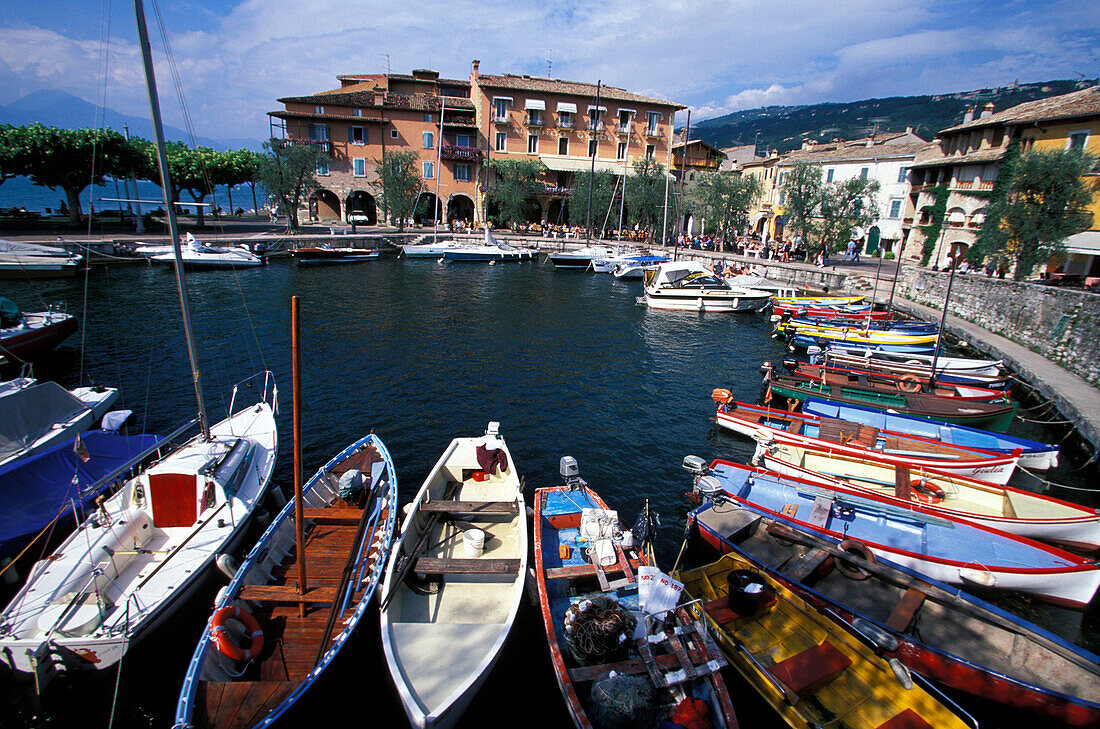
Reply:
x=287, y=170
x=401, y=184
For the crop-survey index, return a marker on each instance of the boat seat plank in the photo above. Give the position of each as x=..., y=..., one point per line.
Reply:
x=795, y=426
x=822, y=508
x=906, y=608
x=240, y=704
x=584, y=570
x=288, y=594
x=907, y=719
x=469, y=507
x=811, y=668
x=334, y=516
x=463, y=566
x=634, y=666
x=806, y=564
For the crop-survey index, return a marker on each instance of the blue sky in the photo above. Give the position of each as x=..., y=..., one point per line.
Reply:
x=235, y=59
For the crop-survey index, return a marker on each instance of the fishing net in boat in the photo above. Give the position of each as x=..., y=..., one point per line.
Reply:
x=598, y=630
x=624, y=702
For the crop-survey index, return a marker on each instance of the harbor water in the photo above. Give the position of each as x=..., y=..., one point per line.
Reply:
x=420, y=352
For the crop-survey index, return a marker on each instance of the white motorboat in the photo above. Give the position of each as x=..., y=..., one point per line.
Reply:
x=636, y=266
x=124, y=571
x=608, y=264
x=196, y=254
x=578, y=258
x=149, y=250
x=490, y=251
x=761, y=283
x=428, y=250
x=36, y=415
x=962, y=365
x=453, y=588
x=690, y=286
x=30, y=260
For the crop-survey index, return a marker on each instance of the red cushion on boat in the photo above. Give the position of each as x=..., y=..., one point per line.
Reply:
x=174, y=499
x=810, y=667
x=907, y=719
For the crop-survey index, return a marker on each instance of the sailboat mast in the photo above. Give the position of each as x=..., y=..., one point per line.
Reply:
x=622, y=200
x=592, y=168
x=943, y=322
x=173, y=228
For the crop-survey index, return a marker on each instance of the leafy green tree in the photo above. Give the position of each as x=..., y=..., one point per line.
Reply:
x=645, y=195
x=68, y=159
x=846, y=205
x=803, y=192
x=931, y=230
x=604, y=186
x=401, y=184
x=10, y=154
x=287, y=171
x=725, y=200
x=992, y=238
x=514, y=186
x=235, y=167
x=1048, y=201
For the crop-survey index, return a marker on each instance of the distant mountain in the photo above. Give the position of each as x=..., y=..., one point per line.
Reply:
x=65, y=111
x=784, y=127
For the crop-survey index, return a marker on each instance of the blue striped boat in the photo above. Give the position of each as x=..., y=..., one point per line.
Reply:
x=1036, y=456
x=351, y=505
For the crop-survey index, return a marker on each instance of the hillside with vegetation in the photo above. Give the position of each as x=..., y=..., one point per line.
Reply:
x=785, y=127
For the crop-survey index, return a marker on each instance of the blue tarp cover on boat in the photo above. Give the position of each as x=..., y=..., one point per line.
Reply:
x=34, y=489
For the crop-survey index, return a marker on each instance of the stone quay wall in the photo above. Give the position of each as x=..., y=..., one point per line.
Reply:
x=1062, y=325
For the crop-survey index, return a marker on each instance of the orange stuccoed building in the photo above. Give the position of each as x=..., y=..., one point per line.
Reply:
x=456, y=126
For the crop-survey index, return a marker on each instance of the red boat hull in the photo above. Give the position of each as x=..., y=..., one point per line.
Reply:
x=32, y=344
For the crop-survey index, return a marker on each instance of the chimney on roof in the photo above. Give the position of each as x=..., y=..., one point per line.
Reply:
x=808, y=144
x=477, y=63
x=987, y=110
x=969, y=115
x=379, y=95
x=425, y=74
x=908, y=130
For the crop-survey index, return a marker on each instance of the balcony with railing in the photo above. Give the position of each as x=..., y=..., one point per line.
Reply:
x=534, y=119
x=655, y=132
x=595, y=125
x=623, y=128
x=569, y=123
x=459, y=120
x=500, y=118
x=323, y=144
x=461, y=154
x=557, y=190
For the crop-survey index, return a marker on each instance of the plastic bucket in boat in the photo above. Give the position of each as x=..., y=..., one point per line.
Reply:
x=747, y=590
x=474, y=542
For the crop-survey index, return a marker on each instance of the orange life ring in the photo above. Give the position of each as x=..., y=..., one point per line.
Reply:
x=928, y=492
x=219, y=633
x=909, y=383
x=856, y=549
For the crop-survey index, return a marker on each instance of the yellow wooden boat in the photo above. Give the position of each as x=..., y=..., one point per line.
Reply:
x=822, y=300
x=810, y=669
x=856, y=335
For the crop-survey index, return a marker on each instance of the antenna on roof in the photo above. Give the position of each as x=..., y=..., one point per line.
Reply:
x=550, y=63
x=386, y=56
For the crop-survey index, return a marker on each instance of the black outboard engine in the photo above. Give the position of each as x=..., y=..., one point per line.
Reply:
x=791, y=363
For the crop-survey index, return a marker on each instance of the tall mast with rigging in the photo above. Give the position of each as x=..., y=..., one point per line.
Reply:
x=173, y=228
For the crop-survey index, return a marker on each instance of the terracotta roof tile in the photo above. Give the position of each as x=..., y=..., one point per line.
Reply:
x=571, y=88
x=365, y=99
x=1085, y=102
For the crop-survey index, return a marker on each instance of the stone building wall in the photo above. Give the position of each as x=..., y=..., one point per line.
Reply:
x=1062, y=325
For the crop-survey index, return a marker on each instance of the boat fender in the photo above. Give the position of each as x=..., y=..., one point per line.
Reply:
x=721, y=396
x=901, y=673
x=882, y=638
x=856, y=549
x=219, y=633
x=928, y=492
x=980, y=577
x=909, y=383
x=227, y=565
x=220, y=597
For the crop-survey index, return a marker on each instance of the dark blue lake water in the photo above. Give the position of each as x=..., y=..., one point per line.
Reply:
x=420, y=353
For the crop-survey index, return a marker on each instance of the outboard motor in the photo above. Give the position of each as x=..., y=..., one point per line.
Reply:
x=570, y=473
x=791, y=363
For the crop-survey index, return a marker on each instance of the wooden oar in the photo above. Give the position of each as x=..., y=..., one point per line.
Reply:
x=409, y=558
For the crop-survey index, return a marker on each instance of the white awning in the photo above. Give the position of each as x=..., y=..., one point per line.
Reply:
x=567, y=106
x=632, y=112
x=584, y=164
x=536, y=104
x=1086, y=243
x=600, y=108
x=506, y=98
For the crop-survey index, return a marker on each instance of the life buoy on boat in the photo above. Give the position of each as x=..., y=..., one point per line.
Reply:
x=909, y=383
x=856, y=549
x=928, y=492
x=219, y=633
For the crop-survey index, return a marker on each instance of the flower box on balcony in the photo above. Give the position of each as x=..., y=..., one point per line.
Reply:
x=462, y=154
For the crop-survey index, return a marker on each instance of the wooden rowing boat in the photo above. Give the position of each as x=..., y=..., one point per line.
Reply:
x=955, y=551
x=886, y=382
x=936, y=630
x=922, y=372
x=953, y=496
x=348, y=507
x=1035, y=455
x=678, y=666
x=448, y=606
x=854, y=439
x=995, y=416
x=812, y=671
